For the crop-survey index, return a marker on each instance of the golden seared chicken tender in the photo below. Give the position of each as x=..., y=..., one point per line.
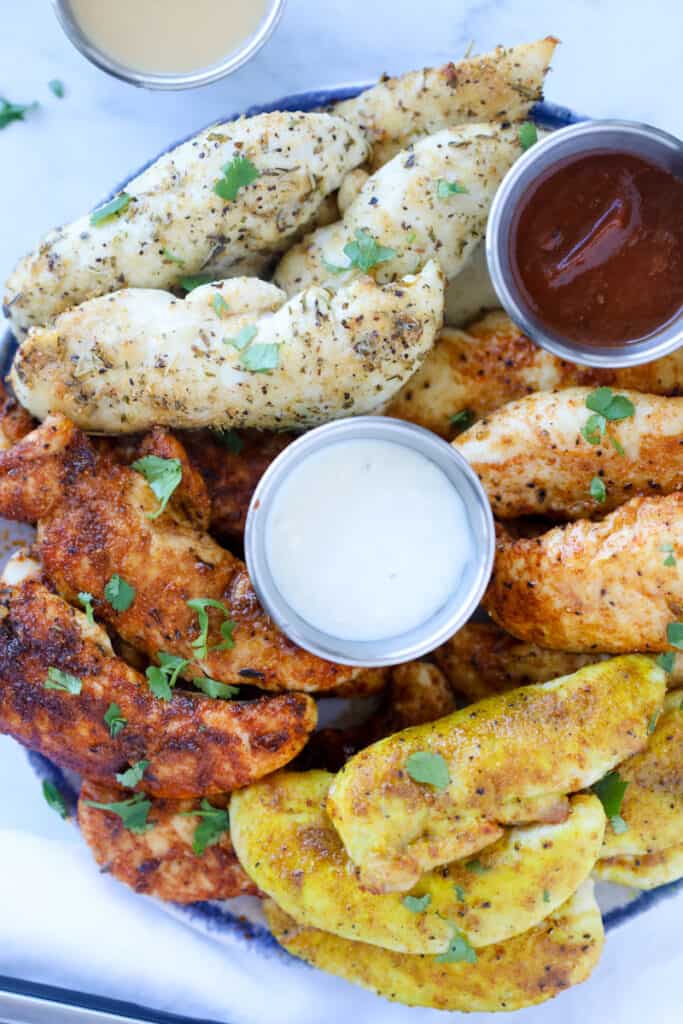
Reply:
x=479, y=369
x=405, y=209
x=161, y=861
x=287, y=844
x=559, y=952
x=652, y=806
x=608, y=586
x=643, y=870
x=139, y=357
x=533, y=456
x=174, y=224
x=15, y=421
x=502, y=86
x=94, y=522
x=59, y=677
x=506, y=760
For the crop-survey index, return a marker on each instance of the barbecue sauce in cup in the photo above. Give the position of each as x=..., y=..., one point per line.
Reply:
x=596, y=248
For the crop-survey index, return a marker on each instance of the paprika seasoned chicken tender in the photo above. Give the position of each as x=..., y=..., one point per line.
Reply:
x=235, y=354
x=509, y=759
x=404, y=209
x=161, y=861
x=605, y=586
x=287, y=844
x=502, y=86
x=175, y=225
x=533, y=456
x=557, y=953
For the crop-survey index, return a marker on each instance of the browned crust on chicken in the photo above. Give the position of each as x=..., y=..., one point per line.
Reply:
x=15, y=421
x=194, y=745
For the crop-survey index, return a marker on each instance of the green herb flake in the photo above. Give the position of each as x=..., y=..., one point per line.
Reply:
x=459, y=950
x=111, y=209
x=193, y=281
x=462, y=420
x=172, y=258
x=132, y=775
x=14, y=111
x=212, y=688
x=424, y=766
x=445, y=189
x=200, y=643
x=610, y=791
x=55, y=799
x=618, y=447
x=527, y=135
x=597, y=489
x=334, y=268
x=613, y=407
x=119, y=594
x=132, y=812
x=546, y=896
x=238, y=173
x=229, y=439
x=162, y=678
x=674, y=634
x=261, y=358
x=114, y=720
x=215, y=821
x=460, y=893
x=668, y=549
x=594, y=428
x=162, y=475
x=220, y=306
x=365, y=252
x=416, y=904
x=243, y=338
x=56, y=87
x=63, y=681
x=86, y=600
x=666, y=661
x=476, y=867
x=652, y=724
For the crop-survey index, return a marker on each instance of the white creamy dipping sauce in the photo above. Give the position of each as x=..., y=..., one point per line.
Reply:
x=367, y=539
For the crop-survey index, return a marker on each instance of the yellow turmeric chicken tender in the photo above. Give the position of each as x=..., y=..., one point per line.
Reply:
x=439, y=792
x=287, y=844
x=643, y=871
x=529, y=969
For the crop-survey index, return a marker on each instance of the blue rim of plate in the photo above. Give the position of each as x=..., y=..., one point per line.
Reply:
x=212, y=917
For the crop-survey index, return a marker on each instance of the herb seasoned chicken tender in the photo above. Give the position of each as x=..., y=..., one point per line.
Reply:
x=231, y=355
x=502, y=86
x=643, y=870
x=612, y=586
x=161, y=862
x=529, y=969
x=59, y=678
x=273, y=170
x=430, y=202
x=287, y=844
x=538, y=456
x=439, y=792
x=474, y=371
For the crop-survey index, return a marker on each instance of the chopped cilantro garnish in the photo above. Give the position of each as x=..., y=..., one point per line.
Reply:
x=261, y=358
x=56, y=87
x=132, y=812
x=172, y=258
x=212, y=688
x=240, y=171
x=424, y=766
x=458, y=951
x=652, y=724
x=215, y=821
x=55, y=799
x=115, y=206
x=666, y=661
x=364, y=252
x=132, y=775
x=546, y=896
x=200, y=643
x=444, y=188
x=114, y=720
x=229, y=439
x=416, y=904
x=476, y=867
x=220, y=306
x=119, y=594
x=64, y=681
x=193, y=281
x=610, y=791
x=243, y=337
x=462, y=420
x=674, y=634
x=14, y=111
x=668, y=549
x=460, y=893
x=163, y=677
x=527, y=135
x=598, y=491
x=86, y=600
x=162, y=475
x=605, y=406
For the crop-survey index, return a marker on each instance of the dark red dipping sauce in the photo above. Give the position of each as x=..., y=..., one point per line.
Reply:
x=597, y=248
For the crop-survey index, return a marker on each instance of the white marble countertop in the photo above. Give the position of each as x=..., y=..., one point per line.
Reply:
x=618, y=58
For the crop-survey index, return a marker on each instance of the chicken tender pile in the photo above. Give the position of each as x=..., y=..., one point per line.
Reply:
x=437, y=843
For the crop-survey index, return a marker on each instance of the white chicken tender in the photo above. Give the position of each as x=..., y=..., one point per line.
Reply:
x=502, y=86
x=176, y=225
x=410, y=207
x=127, y=361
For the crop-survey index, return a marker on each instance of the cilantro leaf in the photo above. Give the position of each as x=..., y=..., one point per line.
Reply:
x=424, y=766
x=612, y=407
x=114, y=720
x=546, y=896
x=220, y=306
x=476, y=867
x=200, y=643
x=527, y=135
x=444, y=188
x=162, y=475
x=462, y=420
x=674, y=634
x=212, y=688
x=14, y=111
x=618, y=447
x=171, y=257
x=64, y=681
x=132, y=812
x=261, y=358
x=243, y=337
x=194, y=281
x=163, y=677
x=416, y=904
x=55, y=799
x=666, y=661
x=460, y=893
x=610, y=791
x=86, y=600
x=598, y=491
x=229, y=439
x=240, y=171
x=365, y=253
x=111, y=209
x=459, y=950
x=652, y=724
x=132, y=775
x=594, y=428
x=215, y=821
x=56, y=87
x=119, y=594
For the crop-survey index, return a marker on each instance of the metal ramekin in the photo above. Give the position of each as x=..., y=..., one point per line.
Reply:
x=575, y=140
x=443, y=623
x=188, y=80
